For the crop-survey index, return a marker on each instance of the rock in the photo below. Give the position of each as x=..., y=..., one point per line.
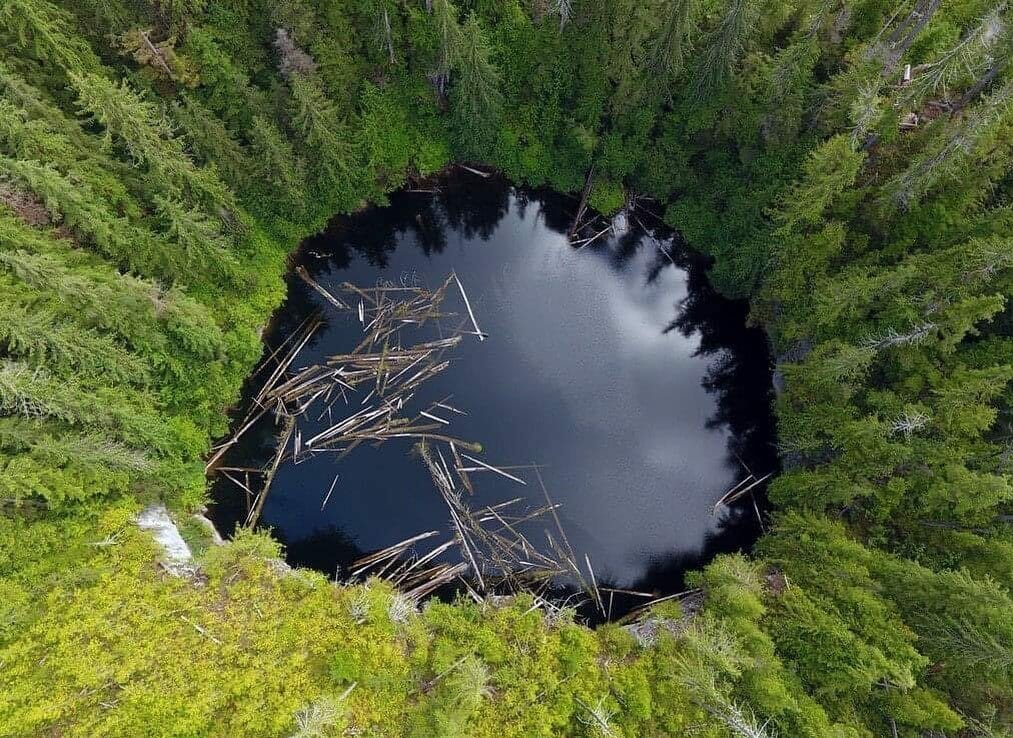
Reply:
x=216, y=537
x=155, y=518
x=177, y=559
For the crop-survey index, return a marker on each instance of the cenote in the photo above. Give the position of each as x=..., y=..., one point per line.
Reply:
x=638, y=390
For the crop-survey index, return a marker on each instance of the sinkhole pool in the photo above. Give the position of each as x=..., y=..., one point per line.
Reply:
x=635, y=388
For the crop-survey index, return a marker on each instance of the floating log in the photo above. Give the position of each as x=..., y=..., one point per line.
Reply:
x=467, y=304
x=305, y=277
x=735, y=492
x=492, y=468
x=328, y=495
x=258, y=506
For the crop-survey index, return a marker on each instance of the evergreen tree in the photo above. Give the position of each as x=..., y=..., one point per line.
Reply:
x=277, y=162
x=95, y=293
x=724, y=46
x=146, y=135
x=73, y=204
x=475, y=96
x=211, y=142
x=178, y=15
x=46, y=31
x=806, y=243
x=316, y=118
x=674, y=43
x=42, y=338
x=444, y=15
x=202, y=243
x=961, y=144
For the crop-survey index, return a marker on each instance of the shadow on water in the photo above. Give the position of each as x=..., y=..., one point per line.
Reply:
x=617, y=366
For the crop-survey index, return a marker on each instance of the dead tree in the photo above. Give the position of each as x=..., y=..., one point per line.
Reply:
x=582, y=206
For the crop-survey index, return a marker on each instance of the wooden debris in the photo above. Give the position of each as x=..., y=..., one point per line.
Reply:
x=492, y=468
x=467, y=304
x=328, y=495
x=305, y=277
x=739, y=490
x=365, y=395
x=251, y=519
x=476, y=172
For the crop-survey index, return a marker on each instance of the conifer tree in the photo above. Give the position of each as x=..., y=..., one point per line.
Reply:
x=40, y=337
x=95, y=293
x=632, y=30
x=277, y=163
x=806, y=243
x=964, y=142
x=444, y=15
x=148, y=138
x=384, y=13
x=960, y=67
x=45, y=30
x=724, y=46
x=48, y=441
x=788, y=85
x=32, y=103
x=73, y=204
x=209, y=139
x=475, y=96
x=202, y=243
x=962, y=622
x=674, y=42
x=317, y=120
x=178, y=15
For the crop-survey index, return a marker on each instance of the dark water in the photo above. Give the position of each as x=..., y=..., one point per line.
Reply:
x=616, y=367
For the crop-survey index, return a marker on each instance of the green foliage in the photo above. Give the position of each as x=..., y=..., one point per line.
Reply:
x=276, y=162
x=42, y=338
x=950, y=611
x=724, y=46
x=138, y=125
x=475, y=96
x=327, y=138
x=45, y=31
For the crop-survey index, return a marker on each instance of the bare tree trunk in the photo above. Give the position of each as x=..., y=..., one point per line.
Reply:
x=905, y=34
x=254, y=516
x=387, y=36
x=582, y=207
x=978, y=87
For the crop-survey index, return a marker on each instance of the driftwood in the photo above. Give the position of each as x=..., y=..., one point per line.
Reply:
x=258, y=506
x=366, y=395
x=391, y=372
x=740, y=489
x=582, y=205
x=474, y=171
x=467, y=304
x=595, y=237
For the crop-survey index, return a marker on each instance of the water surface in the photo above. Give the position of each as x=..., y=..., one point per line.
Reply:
x=615, y=366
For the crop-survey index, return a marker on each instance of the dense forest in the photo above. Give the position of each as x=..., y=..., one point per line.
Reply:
x=845, y=163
